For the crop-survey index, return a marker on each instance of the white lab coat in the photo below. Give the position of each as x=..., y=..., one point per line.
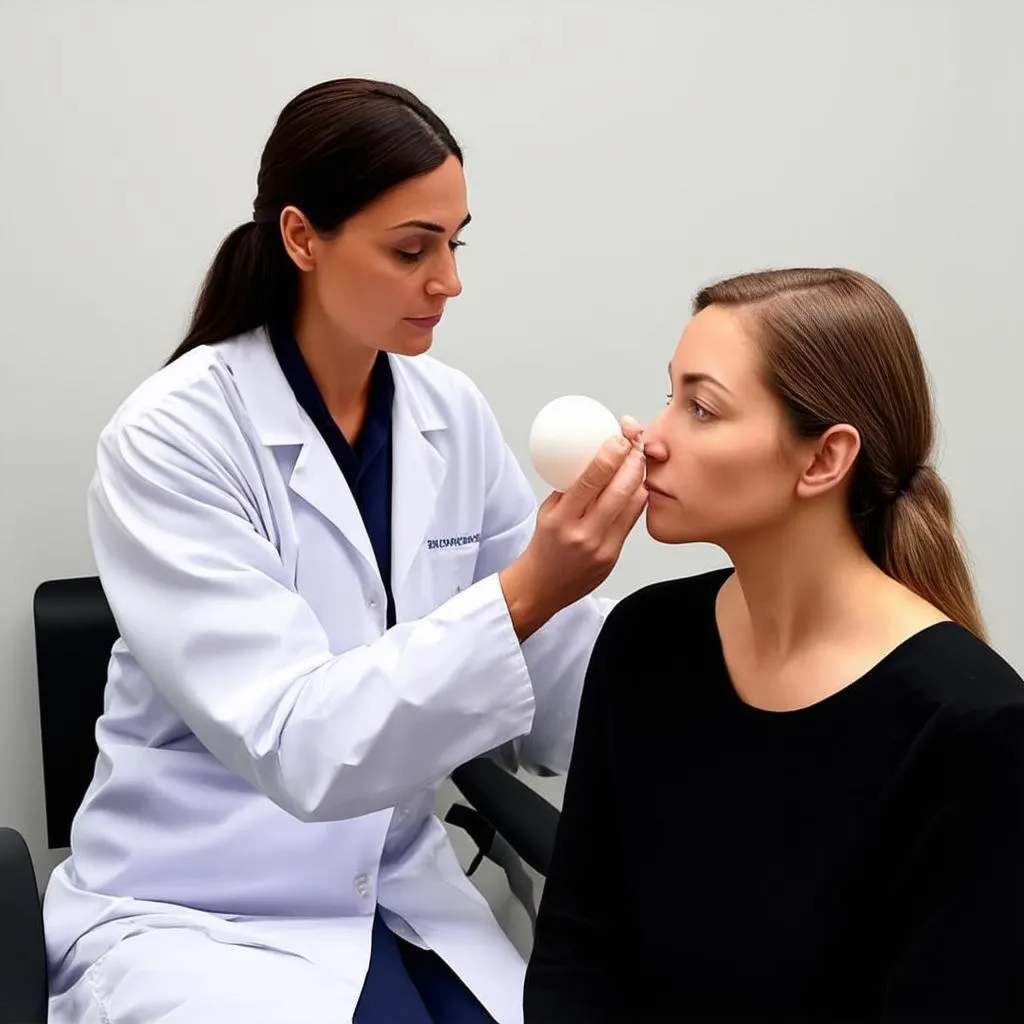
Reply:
x=269, y=753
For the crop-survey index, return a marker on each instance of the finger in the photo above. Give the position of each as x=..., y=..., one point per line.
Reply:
x=623, y=525
x=602, y=469
x=620, y=490
x=632, y=430
x=633, y=511
x=617, y=533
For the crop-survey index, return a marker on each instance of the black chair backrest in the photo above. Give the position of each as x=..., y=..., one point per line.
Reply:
x=75, y=631
x=23, y=985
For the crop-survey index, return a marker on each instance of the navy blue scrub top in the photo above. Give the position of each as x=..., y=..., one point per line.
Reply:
x=366, y=465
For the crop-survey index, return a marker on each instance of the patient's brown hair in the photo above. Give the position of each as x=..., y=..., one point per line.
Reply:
x=837, y=348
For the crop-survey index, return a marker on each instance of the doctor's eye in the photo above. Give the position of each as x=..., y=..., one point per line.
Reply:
x=416, y=255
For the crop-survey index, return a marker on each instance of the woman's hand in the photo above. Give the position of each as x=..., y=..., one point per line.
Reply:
x=579, y=534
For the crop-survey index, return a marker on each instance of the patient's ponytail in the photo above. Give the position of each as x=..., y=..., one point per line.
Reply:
x=919, y=547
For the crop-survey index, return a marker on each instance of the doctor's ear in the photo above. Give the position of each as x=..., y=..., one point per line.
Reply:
x=299, y=238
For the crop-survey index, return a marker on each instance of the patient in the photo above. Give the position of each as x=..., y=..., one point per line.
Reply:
x=797, y=791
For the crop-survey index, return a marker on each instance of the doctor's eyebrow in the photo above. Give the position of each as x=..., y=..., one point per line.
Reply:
x=427, y=225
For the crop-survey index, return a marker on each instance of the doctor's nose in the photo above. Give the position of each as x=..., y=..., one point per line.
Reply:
x=446, y=282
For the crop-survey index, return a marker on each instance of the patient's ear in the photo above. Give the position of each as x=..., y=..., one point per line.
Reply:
x=829, y=461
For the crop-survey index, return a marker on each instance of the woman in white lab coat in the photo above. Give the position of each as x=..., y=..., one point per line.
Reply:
x=332, y=587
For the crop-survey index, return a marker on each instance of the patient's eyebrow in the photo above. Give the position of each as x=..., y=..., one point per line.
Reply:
x=703, y=378
x=689, y=379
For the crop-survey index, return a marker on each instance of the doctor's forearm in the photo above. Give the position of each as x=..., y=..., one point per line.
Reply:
x=372, y=726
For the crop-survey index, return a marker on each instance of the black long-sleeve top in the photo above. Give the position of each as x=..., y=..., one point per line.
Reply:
x=861, y=859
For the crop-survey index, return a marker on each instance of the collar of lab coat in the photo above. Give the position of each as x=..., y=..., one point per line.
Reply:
x=418, y=469
x=276, y=413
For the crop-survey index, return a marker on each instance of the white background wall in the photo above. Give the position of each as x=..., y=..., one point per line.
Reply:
x=619, y=155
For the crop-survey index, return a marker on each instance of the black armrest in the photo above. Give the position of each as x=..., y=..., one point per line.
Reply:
x=521, y=816
x=23, y=982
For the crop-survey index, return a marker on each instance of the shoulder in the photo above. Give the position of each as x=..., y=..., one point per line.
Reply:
x=669, y=598
x=950, y=667
x=191, y=380
x=978, y=702
x=187, y=414
x=645, y=640
x=659, y=611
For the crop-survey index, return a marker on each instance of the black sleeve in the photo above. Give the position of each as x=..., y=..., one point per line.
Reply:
x=574, y=963
x=963, y=956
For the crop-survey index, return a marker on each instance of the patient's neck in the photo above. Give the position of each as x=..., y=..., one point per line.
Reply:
x=806, y=580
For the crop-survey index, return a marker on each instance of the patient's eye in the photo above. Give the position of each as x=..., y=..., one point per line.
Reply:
x=698, y=411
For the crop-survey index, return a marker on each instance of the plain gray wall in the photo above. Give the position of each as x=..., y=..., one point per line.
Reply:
x=618, y=155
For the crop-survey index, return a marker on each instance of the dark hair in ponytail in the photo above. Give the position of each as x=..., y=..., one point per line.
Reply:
x=335, y=148
x=838, y=349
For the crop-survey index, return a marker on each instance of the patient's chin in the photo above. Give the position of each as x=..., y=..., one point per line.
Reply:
x=668, y=526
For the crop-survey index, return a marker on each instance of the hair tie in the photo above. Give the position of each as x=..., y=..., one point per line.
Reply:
x=264, y=214
x=909, y=480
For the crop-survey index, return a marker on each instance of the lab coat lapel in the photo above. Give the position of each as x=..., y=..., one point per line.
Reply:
x=281, y=424
x=418, y=471
x=318, y=479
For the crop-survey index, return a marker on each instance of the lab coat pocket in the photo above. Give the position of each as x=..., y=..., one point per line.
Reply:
x=453, y=568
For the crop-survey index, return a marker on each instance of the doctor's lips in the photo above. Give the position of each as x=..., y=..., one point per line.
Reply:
x=426, y=322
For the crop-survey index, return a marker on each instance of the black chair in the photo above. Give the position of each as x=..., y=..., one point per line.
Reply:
x=74, y=630
x=23, y=988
